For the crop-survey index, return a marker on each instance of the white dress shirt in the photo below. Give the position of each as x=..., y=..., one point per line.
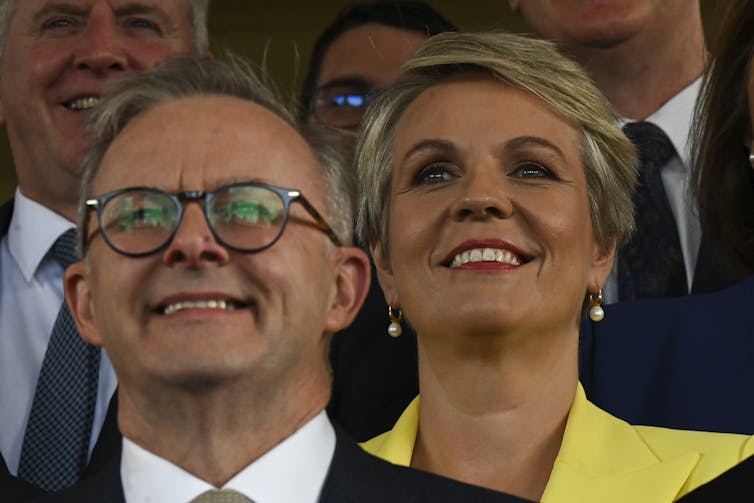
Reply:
x=293, y=471
x=675, y=118
x=31, y=293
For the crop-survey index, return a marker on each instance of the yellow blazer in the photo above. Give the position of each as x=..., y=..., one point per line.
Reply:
x=603, y=458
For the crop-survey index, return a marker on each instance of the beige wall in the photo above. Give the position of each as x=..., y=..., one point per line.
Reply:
x=282, y=32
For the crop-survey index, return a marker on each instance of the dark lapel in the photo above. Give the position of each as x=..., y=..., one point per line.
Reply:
x=356, y=476
x=109, y=440
x=15, y=490
x=6, y=212
x=104, y=486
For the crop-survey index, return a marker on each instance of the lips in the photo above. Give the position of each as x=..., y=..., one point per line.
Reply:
x=485, y=250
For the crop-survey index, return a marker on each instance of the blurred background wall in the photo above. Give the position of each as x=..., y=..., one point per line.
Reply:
x=279, y=34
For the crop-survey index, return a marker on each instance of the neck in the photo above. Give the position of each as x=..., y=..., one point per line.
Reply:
x=642, y=74
x=497, y=418
x=215, y=434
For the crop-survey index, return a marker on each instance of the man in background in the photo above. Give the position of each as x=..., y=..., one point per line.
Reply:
x=360, y=53
x=58, y=58
x=647, y=57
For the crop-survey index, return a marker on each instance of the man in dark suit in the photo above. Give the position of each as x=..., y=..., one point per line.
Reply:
x=58, y=58
x=215, y=292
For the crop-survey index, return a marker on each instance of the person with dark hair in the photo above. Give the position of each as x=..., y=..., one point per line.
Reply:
x=687, y=362
x=356, y=56
x=360, y=53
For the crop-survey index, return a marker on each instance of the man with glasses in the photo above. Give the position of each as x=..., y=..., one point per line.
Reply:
x=359, y=54
x=356, y=56
x=216, y=262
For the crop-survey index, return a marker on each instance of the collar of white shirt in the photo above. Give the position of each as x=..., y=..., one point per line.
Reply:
x=292, y=471
x=33, y=230
x=675, y=118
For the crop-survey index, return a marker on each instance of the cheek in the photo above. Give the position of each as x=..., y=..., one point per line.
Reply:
x=147, y=55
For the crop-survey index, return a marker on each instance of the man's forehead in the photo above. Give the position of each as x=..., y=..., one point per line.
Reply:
x=203, y=142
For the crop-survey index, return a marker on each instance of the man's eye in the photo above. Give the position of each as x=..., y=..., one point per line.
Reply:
x=141, y=23
x=58, y=23
x=250, y=212
x=142, y=218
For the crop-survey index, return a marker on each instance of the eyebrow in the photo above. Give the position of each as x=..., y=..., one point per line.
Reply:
x=434, y=145
x=128, y=9
x=358, y=82
x=132, y=8
x=61, y=7
x=524, y=141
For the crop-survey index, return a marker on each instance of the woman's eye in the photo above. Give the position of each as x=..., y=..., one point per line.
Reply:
x=435, y=173
x=533, y=170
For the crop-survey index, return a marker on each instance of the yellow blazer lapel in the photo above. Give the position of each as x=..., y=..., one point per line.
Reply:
x=604, y=459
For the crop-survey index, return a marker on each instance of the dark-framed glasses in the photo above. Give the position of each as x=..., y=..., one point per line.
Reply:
x=246, y=217
x=342, y=106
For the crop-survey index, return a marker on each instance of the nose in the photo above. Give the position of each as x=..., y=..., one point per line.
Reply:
x=100, y=49
x=193, y=244
x=483, y=196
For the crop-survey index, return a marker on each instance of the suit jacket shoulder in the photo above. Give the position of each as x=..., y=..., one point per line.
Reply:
x=356, y=476
x=6, y=212
x=680, y=363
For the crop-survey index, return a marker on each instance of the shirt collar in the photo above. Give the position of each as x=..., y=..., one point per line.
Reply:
x=293, y=470
x=32, y=232
x=675, y=118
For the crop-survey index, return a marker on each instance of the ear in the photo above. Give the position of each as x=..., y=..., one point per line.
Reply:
x=385, y=275
x=602, y=264
x=351, y=287
x=78, y=295
x=514, y=5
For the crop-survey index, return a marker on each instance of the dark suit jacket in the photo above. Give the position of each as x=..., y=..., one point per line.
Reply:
x=735, y=485
x=354, y=476
x=374, y=375
x=686, y=362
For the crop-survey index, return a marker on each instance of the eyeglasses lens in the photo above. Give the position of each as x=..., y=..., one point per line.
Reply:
x=342, y=106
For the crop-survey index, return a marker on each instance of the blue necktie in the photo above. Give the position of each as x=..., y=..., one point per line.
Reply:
x=651, y=263
x=56, y=442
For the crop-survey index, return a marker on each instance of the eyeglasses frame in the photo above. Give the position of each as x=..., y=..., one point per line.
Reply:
x=288, y=196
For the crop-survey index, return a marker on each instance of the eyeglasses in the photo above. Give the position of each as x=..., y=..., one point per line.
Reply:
x=342, y=106
x=246, y=217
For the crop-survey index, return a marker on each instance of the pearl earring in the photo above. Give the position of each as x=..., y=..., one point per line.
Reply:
x=751, y=160
x=394, y=329
x=596, y=313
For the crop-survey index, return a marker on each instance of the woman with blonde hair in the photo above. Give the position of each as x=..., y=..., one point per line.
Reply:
x=496, y=186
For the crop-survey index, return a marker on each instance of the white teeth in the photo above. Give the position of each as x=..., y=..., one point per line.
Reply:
x=83, y=103
x=198, y=304
x=485, y=255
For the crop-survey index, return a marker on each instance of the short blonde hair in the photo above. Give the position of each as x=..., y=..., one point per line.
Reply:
x=532, y=65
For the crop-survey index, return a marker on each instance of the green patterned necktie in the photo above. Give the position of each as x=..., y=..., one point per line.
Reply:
x=221, y=496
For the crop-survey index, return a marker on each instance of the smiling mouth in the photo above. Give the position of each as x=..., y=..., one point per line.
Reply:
x=82, y=103
x=218, y=304
x=485, y=255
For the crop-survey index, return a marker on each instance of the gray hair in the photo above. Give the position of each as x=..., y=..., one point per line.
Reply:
x=198, y=11
x=186, y=77
x=528, y=64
